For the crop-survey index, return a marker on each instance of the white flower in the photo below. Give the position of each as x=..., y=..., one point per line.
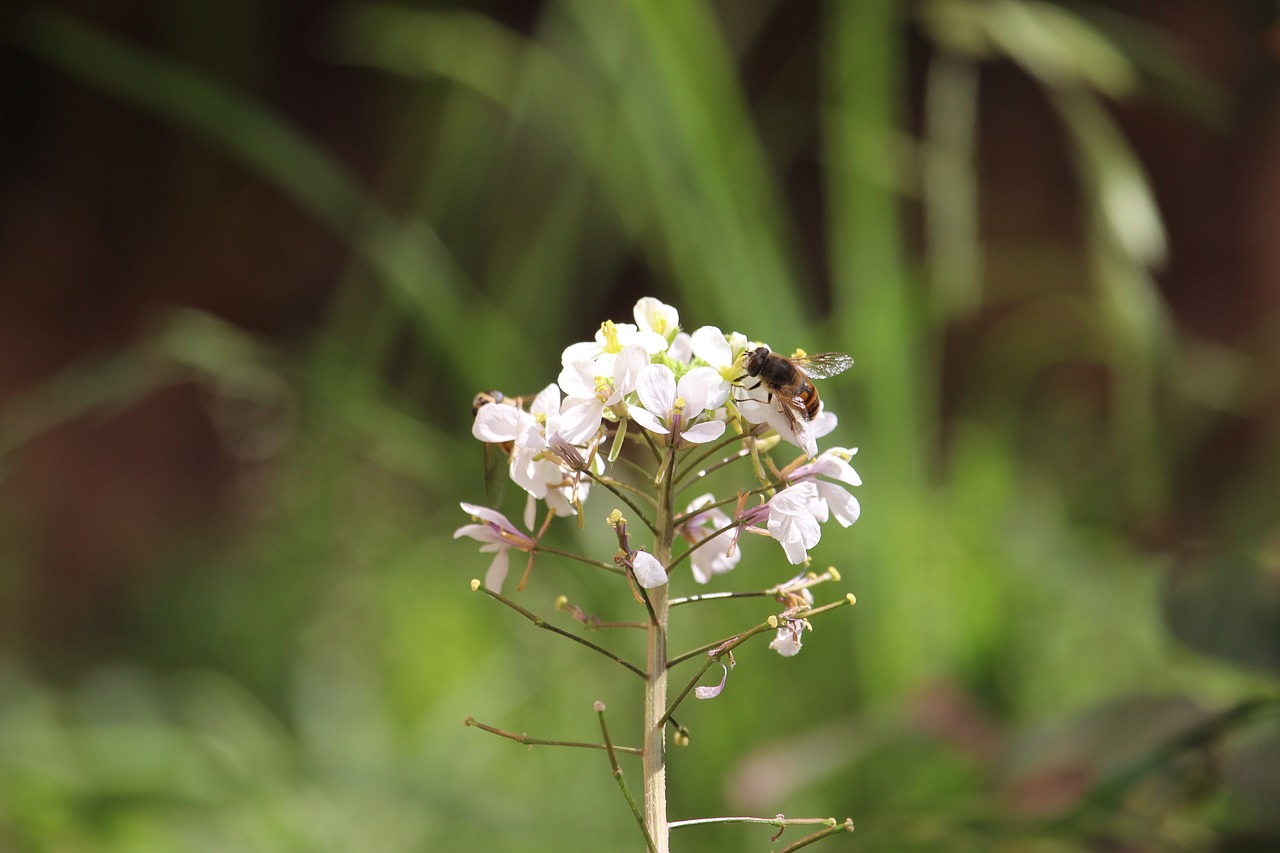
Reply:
x=610, y=339
x=532, y=467
x=833, y=499
x=588, y=394
x=648, y=571
x=659, y=396
x=792, y=522
x=721, y=352
x=717, y=556
x=499, y=536
x=681, y=349
x=653, y=315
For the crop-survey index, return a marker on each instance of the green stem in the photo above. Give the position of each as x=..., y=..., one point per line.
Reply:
x=539, y=622
x=621, y=780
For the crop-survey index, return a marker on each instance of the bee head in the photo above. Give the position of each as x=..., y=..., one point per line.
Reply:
x=755, y=360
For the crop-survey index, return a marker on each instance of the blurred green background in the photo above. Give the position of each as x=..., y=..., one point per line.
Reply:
x=257, y=257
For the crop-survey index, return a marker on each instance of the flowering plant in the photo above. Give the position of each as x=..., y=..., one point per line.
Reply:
x=647, y=412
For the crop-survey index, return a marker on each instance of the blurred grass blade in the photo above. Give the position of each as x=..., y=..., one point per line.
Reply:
x=950, y=187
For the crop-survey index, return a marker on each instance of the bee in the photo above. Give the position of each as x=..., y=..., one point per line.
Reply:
x=790, y=380
x=495, y=455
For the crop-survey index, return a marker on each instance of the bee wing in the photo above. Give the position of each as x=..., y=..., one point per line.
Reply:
x=496, y=462
x=823, y=365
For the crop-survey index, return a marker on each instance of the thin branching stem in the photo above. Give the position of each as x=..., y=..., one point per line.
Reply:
x=692, y=465
x=714, y=657
x=622, y=484
x=717, y=596
x=734, y=498
x=779, y=821
x=645, y=474
x=847, y=826
x=599, y=564
x=621, y=780
x=620, y=495
x=539, y=622
x=521, y=737
x=695, y=546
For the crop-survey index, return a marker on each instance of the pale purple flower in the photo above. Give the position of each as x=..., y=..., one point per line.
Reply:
x=499, y=536
x=666, y=405
x=720, y=554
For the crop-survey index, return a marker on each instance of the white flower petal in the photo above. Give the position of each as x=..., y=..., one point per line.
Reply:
x=496, y=423
x=547, y=401
x=646, y=419
x=649, y=572
x=704, y=432
x=497, y=570
x=580, y=419
x=844, y=506
x=583, y=351
x=709, y=344
x=681, y=348
x=626, y=371
x=692, y=388
x=656, y=386
x=578, y=379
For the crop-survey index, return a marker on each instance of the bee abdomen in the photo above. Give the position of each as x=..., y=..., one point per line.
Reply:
x=812, y=402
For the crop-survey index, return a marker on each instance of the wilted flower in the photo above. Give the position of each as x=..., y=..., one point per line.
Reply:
x=648, y=571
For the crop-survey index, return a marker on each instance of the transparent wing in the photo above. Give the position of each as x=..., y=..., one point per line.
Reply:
x=823, y=365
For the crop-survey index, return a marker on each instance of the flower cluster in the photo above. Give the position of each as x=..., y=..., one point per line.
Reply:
x=651, y=385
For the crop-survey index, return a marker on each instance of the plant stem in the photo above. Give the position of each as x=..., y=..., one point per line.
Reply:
x=655, y=694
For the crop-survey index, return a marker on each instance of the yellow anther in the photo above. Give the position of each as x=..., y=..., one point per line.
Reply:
x=610, y=333
x=475, y=584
